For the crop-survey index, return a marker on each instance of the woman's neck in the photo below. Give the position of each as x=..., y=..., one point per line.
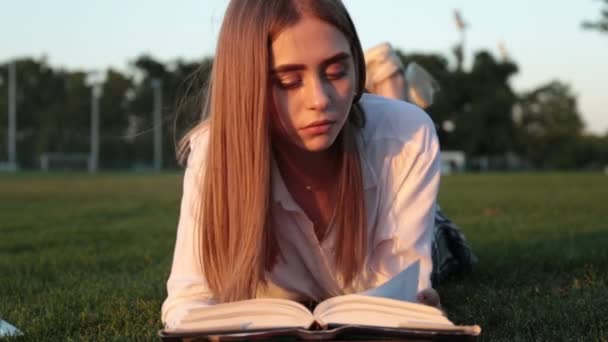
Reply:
x=306, y=168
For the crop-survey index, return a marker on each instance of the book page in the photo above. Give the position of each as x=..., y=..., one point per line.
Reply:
x=352, y=305
x=403, y=286
x=265, y=313
x=379, y=312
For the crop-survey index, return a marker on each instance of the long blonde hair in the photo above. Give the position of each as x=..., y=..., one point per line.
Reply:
x=234, y=225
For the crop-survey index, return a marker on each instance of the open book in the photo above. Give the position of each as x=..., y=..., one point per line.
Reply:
x=387, y=310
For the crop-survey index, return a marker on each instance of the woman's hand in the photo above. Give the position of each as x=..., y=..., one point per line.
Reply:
x=429, y=297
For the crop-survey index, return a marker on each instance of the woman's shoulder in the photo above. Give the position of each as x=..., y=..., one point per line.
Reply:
x=395, y=120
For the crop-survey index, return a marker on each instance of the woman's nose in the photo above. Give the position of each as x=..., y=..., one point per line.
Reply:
x=319, y=94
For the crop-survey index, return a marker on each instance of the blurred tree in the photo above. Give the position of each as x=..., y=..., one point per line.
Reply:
x=147, y=70
x=50, y=110
x=485, y=125
x=3, y=111
x=549, y=126
x=446, y=99
x=183, y=85
x=65, y=119
x=602, y=23
x=187, y=85
x=472, y=112
x=54, y=106
x=592, y=152
x=115, y=102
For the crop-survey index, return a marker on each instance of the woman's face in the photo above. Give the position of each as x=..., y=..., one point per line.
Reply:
x=312, y=84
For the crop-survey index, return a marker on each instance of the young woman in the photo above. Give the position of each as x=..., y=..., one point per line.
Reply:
x=297, y=184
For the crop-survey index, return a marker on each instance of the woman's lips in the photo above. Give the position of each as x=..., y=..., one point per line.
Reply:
x=319, y=127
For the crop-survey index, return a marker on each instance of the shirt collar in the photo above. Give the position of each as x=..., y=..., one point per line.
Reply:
x=280, y=194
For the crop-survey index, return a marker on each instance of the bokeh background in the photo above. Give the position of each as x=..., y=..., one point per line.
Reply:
x=523, y=84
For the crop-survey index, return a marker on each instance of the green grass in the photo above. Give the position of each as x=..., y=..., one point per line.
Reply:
x=86, y=257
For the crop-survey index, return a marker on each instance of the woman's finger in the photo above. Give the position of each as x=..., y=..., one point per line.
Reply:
x=429, y=297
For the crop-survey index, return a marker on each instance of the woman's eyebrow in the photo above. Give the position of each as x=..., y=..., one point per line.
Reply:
x=340, y=56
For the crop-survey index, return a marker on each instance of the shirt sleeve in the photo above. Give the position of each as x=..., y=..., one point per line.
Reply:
x=407, y=209
x=187, y=287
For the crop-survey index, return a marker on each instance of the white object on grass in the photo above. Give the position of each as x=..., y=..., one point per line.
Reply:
x=7, y=330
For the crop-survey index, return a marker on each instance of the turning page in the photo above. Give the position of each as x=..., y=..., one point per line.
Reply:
x=403, y=286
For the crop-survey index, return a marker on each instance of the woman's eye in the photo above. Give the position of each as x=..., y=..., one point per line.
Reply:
x=287, y=81
x=289, y=84
x=335, y=71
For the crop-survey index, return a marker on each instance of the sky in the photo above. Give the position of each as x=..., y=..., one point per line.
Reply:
x=544, y=37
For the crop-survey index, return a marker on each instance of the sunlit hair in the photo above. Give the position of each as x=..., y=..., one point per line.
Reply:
x=234, y=224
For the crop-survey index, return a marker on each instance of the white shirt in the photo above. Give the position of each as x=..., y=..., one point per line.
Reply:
x=400, y=165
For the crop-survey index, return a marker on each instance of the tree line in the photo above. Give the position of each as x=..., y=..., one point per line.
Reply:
x=476, y=112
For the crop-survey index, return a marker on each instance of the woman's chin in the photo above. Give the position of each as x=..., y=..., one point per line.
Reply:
x=318, y=144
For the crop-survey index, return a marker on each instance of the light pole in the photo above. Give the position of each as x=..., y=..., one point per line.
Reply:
x=94, y=156
x=12, y=116
x=157, y=85
x=95, y=83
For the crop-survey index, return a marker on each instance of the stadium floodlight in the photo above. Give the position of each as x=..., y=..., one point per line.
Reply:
x=157, y=85
x=462, y=26
x=502, y=48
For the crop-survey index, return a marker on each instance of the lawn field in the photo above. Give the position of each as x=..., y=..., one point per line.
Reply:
x=87, y=257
